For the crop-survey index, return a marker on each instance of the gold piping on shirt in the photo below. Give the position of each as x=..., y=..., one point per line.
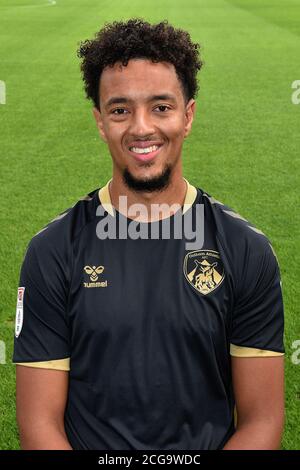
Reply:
x=242, y=351
x=58, y=364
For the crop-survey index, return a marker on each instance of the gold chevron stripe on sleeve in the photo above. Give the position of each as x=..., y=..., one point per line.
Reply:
x=58, y=364
x=242, y=351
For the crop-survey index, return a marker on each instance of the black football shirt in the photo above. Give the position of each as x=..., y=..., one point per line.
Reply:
x=146, y=327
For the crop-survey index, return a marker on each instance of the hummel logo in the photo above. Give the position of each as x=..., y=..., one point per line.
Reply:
x=93, y=272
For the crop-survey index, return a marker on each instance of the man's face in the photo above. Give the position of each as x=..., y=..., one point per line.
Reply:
x=143, y=118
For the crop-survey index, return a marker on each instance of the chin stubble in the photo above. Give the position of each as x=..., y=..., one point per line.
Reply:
x=157, y=183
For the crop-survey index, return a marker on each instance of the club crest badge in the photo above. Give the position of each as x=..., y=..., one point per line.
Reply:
x=204, y=270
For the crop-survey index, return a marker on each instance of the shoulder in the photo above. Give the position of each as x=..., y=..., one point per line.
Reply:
x=247, y=250
x=54, y=241
x=234, y=229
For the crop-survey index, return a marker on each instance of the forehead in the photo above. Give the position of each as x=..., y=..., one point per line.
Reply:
x=139, y=78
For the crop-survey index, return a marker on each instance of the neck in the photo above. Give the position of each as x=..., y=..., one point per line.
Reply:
x=173, y=195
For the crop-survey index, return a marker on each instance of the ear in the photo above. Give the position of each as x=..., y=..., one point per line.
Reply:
x=190, y=110
x=99, y=123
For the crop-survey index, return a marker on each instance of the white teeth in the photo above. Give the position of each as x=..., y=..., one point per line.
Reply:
x=145, y=150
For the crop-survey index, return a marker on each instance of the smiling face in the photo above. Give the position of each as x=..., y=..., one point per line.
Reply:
x=144, y=120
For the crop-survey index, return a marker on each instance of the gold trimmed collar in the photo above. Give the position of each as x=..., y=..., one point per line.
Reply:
x=105, y=200
x=190, y=196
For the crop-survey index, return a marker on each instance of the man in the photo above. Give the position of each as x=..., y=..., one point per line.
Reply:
x=128, y=342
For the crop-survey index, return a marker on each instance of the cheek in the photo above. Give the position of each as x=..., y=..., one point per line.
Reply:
x=114, y=136
x=173, y=129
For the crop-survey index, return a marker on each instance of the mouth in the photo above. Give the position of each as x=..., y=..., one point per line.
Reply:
x=145, y=154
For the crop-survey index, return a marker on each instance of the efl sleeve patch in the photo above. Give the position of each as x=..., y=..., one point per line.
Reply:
x=19, y=311
x=42, y=330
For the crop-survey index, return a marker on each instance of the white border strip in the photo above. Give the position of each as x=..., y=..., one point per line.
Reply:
x=49, y=3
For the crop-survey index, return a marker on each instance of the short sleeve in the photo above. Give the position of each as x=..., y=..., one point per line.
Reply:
x=42, y=336
x=257, y=327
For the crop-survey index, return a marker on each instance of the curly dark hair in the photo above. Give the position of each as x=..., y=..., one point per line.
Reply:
x=136, y=38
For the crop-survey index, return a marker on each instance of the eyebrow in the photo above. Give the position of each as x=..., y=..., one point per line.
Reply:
x=124, y=99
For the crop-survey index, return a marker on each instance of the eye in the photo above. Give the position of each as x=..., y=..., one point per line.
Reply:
x=162, y=106
x=118, y=109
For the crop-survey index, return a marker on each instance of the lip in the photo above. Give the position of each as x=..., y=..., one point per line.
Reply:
x=145, y=157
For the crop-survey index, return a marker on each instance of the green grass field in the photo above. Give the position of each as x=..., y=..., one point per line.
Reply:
x=244, y=148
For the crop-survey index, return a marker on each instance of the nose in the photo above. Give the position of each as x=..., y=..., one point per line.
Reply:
x=141, y=123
